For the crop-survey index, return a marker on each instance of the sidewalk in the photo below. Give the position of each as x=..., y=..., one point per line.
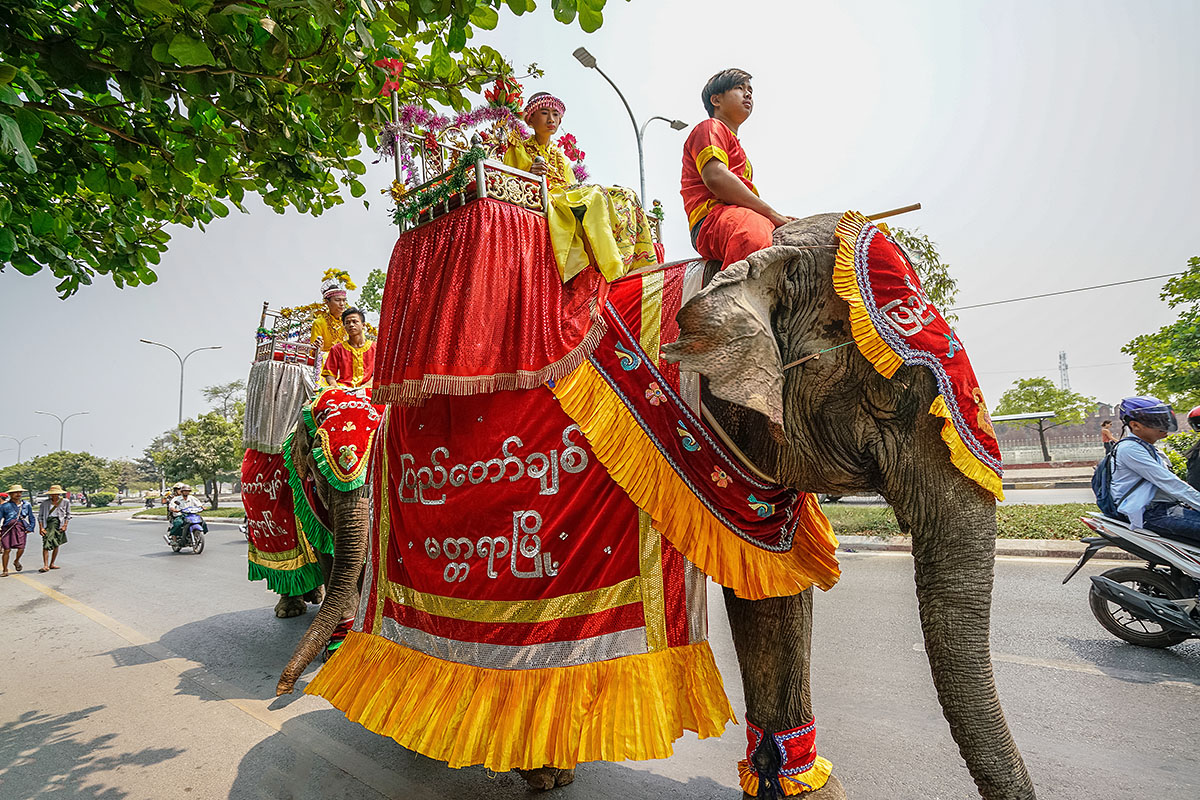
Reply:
x=1046, y=548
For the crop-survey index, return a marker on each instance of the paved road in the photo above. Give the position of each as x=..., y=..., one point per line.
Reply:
x=137, y=673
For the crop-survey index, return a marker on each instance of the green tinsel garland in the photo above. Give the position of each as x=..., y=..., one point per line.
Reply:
x=415, y=204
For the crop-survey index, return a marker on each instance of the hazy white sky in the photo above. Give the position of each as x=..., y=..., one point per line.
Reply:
x=1052, y=146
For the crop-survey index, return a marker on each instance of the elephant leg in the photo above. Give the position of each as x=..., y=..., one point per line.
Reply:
x=316, y=595
x=773, y=640
x=546, y=778
x=290, y=606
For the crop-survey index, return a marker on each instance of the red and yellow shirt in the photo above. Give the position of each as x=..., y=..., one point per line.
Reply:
x=349, y=367
x=710, y=139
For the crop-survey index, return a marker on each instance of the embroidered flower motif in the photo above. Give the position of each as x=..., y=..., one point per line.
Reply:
x=655, y=395
x=608, y=551
x=629, y=359
x=349, y=426
x=720, y=477
x=764, y=510
x=563, y=535
x=689, y=441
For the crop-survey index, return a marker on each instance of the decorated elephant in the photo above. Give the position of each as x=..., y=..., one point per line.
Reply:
x=871, y=417
x=827, y=370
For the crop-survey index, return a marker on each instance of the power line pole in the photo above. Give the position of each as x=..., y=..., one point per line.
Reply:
x=1064, y=380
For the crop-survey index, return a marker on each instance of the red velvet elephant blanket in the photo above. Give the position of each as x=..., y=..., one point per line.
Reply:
x=530, y=597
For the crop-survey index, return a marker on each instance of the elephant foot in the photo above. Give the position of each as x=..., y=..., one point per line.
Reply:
x=289, y=606
x=546, y=778
x=315, y=596
x=832, y=790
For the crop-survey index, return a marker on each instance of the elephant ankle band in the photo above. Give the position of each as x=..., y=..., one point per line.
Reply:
x=786, y=761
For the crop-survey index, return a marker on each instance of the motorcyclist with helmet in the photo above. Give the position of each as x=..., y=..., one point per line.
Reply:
x=1145, y=490
x=1193, y=453
x=182, y=504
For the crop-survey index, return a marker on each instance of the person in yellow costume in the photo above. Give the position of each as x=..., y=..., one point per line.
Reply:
x=327, y=321
x=601, y=224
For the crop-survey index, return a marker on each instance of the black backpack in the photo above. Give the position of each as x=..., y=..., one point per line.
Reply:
x=1102, y=478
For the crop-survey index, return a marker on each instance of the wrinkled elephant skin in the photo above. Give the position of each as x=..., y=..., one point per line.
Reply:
x=835, y=425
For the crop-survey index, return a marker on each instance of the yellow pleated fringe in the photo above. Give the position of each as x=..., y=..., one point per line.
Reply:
x=626, y=708
x=637, y=466
x=845, y=283
x=815, y=776
x=961, y=456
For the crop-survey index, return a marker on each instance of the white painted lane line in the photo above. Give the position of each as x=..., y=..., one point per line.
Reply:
x=1137, y=675
x=118, y=539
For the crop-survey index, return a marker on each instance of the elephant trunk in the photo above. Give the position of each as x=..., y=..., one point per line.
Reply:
x=953, y=527
x=349, y=513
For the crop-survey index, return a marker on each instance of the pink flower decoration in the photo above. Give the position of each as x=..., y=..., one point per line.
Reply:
x=655, y=395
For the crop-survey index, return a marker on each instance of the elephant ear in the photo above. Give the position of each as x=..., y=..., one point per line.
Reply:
x=725, y=334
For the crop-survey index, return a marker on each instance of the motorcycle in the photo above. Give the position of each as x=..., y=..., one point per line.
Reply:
x=190, y=533
x=1150, y=606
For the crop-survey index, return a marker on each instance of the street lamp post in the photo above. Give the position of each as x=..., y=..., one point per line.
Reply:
x=182, y=361
x=62, y=423
x=19, y=442
x=588, y=60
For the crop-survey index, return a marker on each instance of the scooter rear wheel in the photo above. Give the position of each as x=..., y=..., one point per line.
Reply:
x=1125, y=625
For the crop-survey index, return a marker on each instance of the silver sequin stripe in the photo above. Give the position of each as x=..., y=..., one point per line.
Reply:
x=534, y=656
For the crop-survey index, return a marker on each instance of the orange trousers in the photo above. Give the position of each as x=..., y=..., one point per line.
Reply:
x=730, y=233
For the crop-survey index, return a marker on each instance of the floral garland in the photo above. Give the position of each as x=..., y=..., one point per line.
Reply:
x=394, y=67
x=415, y=204
x=418, y=116
x=570, y=148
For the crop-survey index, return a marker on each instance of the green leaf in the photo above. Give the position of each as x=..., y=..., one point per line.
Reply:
x=41, y=223
x=31, y=126
x=7, y=73
x=517, y=7
x=485, y=17
x=457, y=39
x=5, y=209
x=357, y=189
x=189, y=52
x=590, y=19
x=163, y=8
x=10, y=136
x=9, y=97
x=8, y=242
x=564, y=11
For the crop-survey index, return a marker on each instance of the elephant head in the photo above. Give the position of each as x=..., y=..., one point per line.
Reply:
x=834, y=424
x=349, y=516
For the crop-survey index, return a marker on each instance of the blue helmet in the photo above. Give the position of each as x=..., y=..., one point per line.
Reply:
x=1150, y=411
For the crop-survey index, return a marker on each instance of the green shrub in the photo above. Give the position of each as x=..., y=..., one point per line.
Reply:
x=1177, y=446
x=1012, y=521
x=100, y=499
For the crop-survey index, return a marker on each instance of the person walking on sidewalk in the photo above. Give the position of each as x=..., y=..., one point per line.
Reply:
x=1107, y=436
x=16, y=521
x=53, y=515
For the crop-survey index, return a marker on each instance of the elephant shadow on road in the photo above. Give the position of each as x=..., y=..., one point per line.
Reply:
x=46, y=755
x=356, y=763
x=245, y=649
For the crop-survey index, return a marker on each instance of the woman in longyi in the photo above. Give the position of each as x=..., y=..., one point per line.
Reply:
x=588, y=223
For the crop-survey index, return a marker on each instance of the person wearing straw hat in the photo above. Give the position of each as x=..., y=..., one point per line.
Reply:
x=53, y=515
x=16, y=521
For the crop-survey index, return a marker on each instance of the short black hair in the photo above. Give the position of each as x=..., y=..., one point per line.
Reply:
x=721, y=83
x=353, y=310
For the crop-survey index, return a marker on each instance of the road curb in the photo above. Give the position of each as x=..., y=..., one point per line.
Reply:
x=1069, y=484
x=1044, y=548
x=211, y=522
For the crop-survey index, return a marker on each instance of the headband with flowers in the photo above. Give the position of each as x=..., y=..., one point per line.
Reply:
x=543, y=100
